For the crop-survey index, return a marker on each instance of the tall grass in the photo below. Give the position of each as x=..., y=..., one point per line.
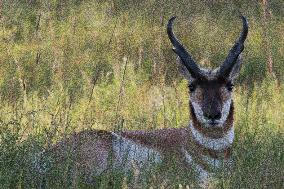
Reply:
x=258, y=152
x=68, y=66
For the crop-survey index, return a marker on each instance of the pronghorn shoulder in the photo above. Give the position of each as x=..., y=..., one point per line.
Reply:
x=161, y=138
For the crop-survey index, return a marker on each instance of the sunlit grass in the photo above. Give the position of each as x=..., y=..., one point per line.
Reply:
x=258, y=152
x=68, y=67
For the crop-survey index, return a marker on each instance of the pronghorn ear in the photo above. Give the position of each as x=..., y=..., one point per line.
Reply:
x=236, y=69
x=183, y=70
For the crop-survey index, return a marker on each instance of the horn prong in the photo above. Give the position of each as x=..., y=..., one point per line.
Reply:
x=231, y=59
x=185, y=57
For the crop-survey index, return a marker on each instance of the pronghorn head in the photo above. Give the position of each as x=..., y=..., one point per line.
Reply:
x=210, y=90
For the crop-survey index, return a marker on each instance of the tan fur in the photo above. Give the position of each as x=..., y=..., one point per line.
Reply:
x=224, y=94
x=171, y=143
x=88, y=150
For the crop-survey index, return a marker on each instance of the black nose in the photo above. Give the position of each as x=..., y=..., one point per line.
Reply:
x=213, y=116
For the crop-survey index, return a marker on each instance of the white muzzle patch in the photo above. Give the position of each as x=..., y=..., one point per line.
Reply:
x=200, y=117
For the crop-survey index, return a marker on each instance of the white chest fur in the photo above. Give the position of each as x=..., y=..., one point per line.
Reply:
x=212, y=143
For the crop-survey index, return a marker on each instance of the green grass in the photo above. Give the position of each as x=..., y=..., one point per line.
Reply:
x=26, y=130
x=73, y=65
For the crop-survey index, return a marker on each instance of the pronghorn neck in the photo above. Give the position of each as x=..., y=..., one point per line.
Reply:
x=209, y=148
x=214, y=145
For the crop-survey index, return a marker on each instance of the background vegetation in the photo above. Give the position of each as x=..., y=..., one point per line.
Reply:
x=70, y=65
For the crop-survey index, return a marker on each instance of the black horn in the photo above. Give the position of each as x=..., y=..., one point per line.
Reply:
x=185, y=57
x=228, y=64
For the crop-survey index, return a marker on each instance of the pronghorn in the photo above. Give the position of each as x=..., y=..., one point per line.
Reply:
x=203, y=145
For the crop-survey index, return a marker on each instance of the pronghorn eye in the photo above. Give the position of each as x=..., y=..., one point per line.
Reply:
x=230, y=86
x=191, y=87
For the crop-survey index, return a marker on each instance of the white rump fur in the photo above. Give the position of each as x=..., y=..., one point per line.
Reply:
x=128, y=154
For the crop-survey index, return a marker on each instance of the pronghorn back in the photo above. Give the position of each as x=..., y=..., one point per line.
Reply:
x=87, y=150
